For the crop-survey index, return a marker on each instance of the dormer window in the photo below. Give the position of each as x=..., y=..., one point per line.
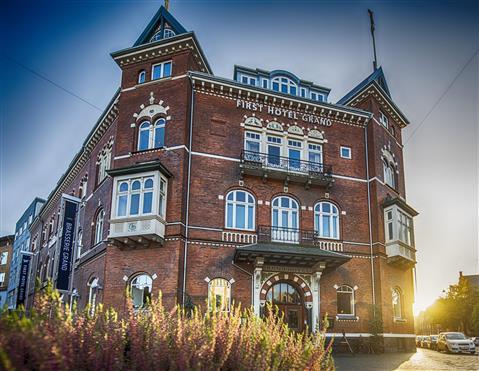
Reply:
x=303, y=93
x=284, y=85
x=248, y=80
x=156, y=36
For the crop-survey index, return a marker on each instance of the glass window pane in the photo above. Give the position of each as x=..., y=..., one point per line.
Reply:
x=240, y=216
x=240, y=196
x=275, y=218
x=136, y=185
x=123, y=187
x=335, y=227
x=229, y=216
x=284, y=202
x=149, y=183
x=250, y=217
x=275, y=86
x=159, y=136
x=167, y=69
x=326, y=207
x=147, y=202
x=135, y=204
x=144, y=139
x=292, y=90
x=326, y=227
x=121, y=207
x=156, y=72
x=284, y=88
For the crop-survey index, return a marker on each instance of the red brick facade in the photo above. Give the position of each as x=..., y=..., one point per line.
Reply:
x=202, y=161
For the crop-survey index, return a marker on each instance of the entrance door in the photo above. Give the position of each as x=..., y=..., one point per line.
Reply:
x=287, y=302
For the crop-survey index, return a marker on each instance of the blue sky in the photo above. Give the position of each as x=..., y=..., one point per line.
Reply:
x=422, y=46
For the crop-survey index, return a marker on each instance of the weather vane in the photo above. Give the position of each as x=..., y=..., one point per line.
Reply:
x=167, y=4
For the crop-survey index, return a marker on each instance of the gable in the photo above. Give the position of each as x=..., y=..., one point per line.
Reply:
x=163, y=25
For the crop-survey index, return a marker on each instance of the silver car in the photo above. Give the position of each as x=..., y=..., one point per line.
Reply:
x=455, y=342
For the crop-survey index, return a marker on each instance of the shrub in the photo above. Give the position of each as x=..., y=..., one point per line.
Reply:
x=54, y=338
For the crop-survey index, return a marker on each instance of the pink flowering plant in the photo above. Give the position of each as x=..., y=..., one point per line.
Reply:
x=53, y=337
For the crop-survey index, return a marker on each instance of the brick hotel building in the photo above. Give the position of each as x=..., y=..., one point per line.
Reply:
x=251, y=189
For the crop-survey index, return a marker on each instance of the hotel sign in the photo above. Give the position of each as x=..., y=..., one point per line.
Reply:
x=283, y=112
x=66, y=245
x=22, y=284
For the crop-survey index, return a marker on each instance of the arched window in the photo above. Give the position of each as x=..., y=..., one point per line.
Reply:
x=219, y=295
x=144, y=136
x=160, y=133
x=168, y=32
x=141, y=287
x=345, y=300
x=92, y=295
x=141, y=77
x=397, y=302
x=99, y=227
x=156, y=36
x=284, y=85
x=326, y=220
x=285, y=220
x=389, y=173
x=240, y=210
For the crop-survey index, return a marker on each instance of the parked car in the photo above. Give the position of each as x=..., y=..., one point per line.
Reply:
x=418, y=341
x=425, y=341
x=433, y=342
x=455, y=342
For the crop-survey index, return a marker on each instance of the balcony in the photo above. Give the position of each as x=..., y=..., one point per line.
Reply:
x=400, y=255
x=285, y=168
x=268, y=234
x=142, y=231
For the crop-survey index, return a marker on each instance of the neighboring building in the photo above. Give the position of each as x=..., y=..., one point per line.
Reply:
x=6, y=248
x=250, y=190
x=22, y=243
x=472, y=279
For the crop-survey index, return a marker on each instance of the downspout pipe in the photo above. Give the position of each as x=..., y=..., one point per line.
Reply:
x=190, y=142
x=370, y=218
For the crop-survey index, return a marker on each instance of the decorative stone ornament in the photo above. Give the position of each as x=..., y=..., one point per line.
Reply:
x=152, y=110
x=274, y=125
x=253, y=121
x=295, y=130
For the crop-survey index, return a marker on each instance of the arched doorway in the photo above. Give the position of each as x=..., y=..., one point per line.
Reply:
x=288, y=301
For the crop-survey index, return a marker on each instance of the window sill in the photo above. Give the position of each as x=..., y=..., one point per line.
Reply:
x=400, y=320
x=347, y=318
x=142, y=151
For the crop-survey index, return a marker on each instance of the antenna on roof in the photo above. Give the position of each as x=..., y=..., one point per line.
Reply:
x=371, y=19
x=167, y=5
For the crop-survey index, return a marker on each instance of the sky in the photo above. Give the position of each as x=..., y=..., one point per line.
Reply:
x=428, y=50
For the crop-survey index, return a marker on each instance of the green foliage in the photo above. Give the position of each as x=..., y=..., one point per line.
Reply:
x=457, y=310
x=376, y=328
x=53, y=337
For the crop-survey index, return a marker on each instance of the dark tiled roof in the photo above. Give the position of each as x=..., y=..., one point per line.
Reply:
x=377, y=76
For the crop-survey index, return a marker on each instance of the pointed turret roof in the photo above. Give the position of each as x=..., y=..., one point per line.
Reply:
x=161, y=20
x=376, y=80
x=377, y=76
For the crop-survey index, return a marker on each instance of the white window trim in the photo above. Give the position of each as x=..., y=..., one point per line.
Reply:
x=99, y=231
x=151, y=133
x=162, y=70
x=352, y=301
x=4, y=258
x=383, y=119
x=157, y=177
x=396, y=210
x=319, y=228
x=401, y=307
x=228, y=285
x=246, y=204
x=289, y=210
x=348, y=149
x=289, y=84
x=142, y=73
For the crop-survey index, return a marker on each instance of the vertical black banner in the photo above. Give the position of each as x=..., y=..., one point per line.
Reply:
x=22, y=284
x=65, y=257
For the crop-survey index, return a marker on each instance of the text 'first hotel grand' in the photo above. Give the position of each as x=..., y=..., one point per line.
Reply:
x=249, y=190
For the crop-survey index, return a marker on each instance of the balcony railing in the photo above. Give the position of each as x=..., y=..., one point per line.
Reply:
x=400, y=254
x=297, y=236
x=262, y=164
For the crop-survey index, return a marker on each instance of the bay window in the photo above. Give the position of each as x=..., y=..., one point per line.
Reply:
x=398, y=226
x=136, y=195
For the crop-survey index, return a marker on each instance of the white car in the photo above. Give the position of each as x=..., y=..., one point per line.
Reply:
x=455, y=342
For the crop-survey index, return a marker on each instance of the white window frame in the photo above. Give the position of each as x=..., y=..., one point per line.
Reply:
x=99, y=225
x=149, y=284
x=170, y=32
x=92, y=294
x=383, y=119
x=318, y=216
x=142, y=77
x=162, y=70
x=346, y=289
x=159, y=122
x=235, y=204
x=398, y=218
x=79, y=243
x=389, y=173
x=397, y=291
x=2, y=278
x=159, y=195
x=227, y=289
x=4, y=258
x=104, y=163
x=289, y=210
x=288, y=83
x=349, y=156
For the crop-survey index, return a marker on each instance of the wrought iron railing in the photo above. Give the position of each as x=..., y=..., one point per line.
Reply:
x=264, y=160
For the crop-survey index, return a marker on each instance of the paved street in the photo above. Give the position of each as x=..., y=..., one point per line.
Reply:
x=424, y=359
